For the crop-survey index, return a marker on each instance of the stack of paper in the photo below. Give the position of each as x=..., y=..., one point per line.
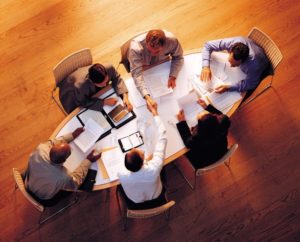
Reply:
x=113, y=161
x=157, y=85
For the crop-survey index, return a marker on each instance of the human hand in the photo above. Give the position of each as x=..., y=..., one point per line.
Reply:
x=150, y=102
x=110, y=101
x=127, y=103
x=172, y=82
x=181, y=116
x=205, y=74
x=93, y=156
x=222, y=88
x=202, y=103
x=77, y=132
x=152, y=109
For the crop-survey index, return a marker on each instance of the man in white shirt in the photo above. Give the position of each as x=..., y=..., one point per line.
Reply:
x=141, y=181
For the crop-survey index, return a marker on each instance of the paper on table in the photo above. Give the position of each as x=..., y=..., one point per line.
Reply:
x=113, y=161
x=89, y=136
x=97, y=116
x=190, y=107
x=134, y=94
x=99, y=178
x=157, y=85
x=224, y=100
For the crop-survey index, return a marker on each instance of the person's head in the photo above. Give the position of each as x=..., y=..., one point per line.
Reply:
x=238, y=54
x=98, y=75
x=134, y=160
x=208, y=124
x=155, y=41
x=60, y=152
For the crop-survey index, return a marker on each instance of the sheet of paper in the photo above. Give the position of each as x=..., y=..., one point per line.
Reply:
x=99, y=178
x=157, y=85
x=190, y=107
x=224, y=100
x=97, y=116
x=113, y=161
x=89, y=136
x=134, y=94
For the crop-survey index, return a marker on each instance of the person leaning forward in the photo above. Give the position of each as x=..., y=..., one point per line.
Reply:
x=46, y=176
x=152, y=48
x=243, y=52
x=79, y=88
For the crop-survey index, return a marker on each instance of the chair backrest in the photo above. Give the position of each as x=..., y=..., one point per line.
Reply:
x=71, y=63
x=224, y=158
x=147, y=213
x=20, y=183
x=124, y=51
x=271, y=50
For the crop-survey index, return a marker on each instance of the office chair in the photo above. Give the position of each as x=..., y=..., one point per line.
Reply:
x=198, y=172
x=141, y=213
x=68, y=65
x=272, y=52
x=19, y=179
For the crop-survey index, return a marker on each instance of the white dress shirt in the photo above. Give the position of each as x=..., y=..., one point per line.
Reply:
x=145, y=184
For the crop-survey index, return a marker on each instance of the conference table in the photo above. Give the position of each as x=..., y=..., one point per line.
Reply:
x=186, y=82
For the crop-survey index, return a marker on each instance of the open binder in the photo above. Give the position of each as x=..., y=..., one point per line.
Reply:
x=103, y=119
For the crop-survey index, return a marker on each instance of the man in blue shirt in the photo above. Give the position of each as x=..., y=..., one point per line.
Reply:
x=243, y=52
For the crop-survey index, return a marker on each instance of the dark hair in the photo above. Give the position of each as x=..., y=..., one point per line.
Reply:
x=133, y=161
x=97, y=73
x=156, y=38
x=208, y=126
x=240, y=51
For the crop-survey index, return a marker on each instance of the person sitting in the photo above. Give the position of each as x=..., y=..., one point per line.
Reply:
x=243, y=52
x=152, y=48
x=46, y=177
x=140, y=183
x=207, y=140
x=79, y=88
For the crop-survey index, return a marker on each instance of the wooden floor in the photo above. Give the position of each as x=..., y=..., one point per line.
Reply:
x=257, y=200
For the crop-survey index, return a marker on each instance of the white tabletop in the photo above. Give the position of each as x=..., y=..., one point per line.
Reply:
x=167, y=108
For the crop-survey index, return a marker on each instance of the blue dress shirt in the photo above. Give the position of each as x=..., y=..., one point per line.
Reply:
x=253, y=66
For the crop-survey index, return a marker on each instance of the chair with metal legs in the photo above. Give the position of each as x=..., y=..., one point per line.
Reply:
x=198, y=172
x=68, y=65
x=272, y=52
x=19, y=183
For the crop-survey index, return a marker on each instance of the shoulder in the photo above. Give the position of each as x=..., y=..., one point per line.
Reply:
x=78, y=77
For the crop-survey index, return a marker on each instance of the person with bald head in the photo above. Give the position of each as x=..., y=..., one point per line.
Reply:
x=46, y=177
x=140, y=183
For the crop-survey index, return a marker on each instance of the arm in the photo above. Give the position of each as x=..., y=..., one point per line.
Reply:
x=117, y=82
x=210, y=108
x=251, y=81
x=157, y=161
x=217, y=45
x=177, y=57
x=135, y=58
x=185, y=133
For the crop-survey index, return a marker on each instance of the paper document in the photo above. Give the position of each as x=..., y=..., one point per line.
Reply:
x=96, y=116
x=113, y=161
x=208, y=86
x=134, y=94
x=190, y=107
x=224, y=100
x=89, y=136
x=157, y=85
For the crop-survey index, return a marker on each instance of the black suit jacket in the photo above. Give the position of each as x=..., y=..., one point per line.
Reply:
x=205, y=151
